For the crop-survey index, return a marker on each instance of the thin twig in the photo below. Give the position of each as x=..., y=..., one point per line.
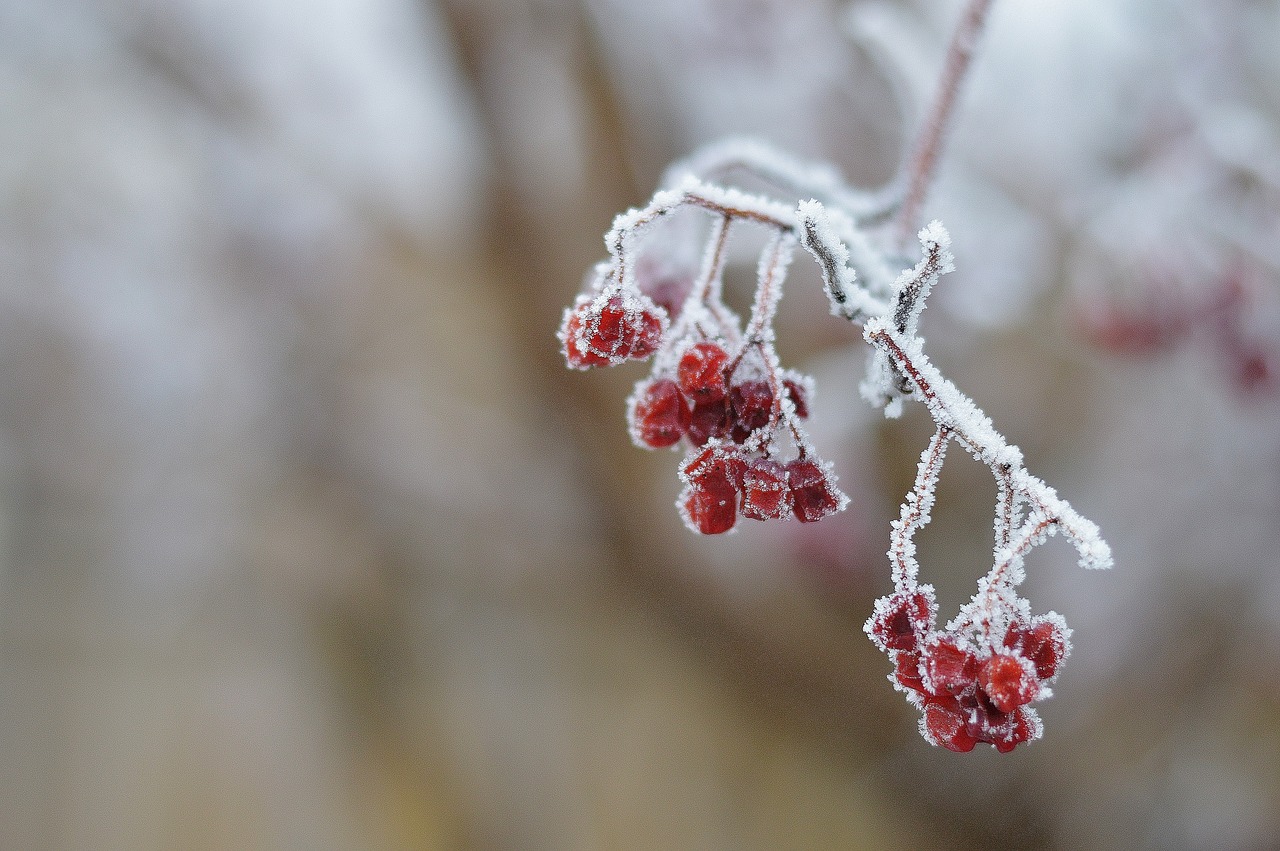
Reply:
x=927, y=148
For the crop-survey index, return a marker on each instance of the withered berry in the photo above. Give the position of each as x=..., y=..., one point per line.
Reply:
x=948, y=667
x=1042, y=642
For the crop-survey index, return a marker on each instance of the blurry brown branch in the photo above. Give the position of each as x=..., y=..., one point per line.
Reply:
x=927, y=149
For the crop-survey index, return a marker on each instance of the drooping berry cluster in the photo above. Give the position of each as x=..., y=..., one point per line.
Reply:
x=734, y=427
x=716, y=389
x=610, y=326
x=969, y=691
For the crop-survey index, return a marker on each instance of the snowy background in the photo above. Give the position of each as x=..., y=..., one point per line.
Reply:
x=308, y=539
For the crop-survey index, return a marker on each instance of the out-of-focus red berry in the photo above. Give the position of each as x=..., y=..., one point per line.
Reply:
x=709, y=419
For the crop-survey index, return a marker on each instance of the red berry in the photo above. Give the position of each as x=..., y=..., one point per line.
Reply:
x=1006, y=683
x=709, y=419
x=945, y=723
x=765, y=495
x=902, y=620
x=712, y=502
x=661, y=415
x=668, y=293
x=1021, y=730
x=948, y=667
x=1043, y=643
x=813, y=495
x=575, y=352
x=701, y=372
x=752, y=403
x=795, y=391
x=620, y=330
x=906, y=668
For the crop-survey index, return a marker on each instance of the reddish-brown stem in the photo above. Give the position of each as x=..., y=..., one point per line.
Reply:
x=927, y=148
x=913, y=513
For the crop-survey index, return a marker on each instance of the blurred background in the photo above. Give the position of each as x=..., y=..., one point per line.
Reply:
x=309, y=541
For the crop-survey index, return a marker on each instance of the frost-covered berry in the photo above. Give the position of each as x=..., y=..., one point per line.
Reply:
x=902, y=620
x=944, y=724
x=906, y=670
x=813, y=494
x=708, y=420
x=661, y=416
x=752, y=403
x=1043, y=642
x=701, y=372
x=1007, y=683
x=597, y=333
x=948, y=667
x=576, y=353
x=795, y=391
x=712, y=503
x=765, y=495
x=713, y=481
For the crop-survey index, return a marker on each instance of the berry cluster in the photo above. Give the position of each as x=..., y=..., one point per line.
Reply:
x=609, y=327
x=968, y=690
x=715, y=389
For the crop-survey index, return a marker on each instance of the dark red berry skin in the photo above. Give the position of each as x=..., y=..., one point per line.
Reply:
x=951, y=669
x=709, y=419
x=904, y=623
x=619, y=334
x=701, y=372
x=1043, y=644
x=945, y=720
x=712, y=503
x=906, y=665
x=575, y=357
x=662, y=415
x=812, y=496
x=752, y=403
x=765, y=495
x=795, y=391
x=1005, y=683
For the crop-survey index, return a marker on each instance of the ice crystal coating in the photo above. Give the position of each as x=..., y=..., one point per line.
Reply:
x=717, y=388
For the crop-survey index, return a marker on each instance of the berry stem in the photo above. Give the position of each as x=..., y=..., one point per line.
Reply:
x=927, y=148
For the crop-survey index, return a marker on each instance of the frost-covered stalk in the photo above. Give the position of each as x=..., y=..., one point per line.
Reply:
x=718, y=391
x=923, y=161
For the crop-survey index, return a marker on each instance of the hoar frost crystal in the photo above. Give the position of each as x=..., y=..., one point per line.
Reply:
x=718, y=389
